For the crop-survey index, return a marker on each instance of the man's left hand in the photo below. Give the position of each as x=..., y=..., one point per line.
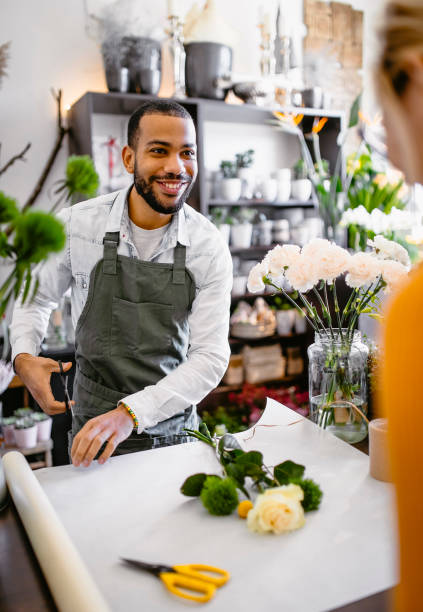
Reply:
x=112, y=427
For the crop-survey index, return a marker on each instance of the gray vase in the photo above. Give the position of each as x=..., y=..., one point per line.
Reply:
x=205, y=65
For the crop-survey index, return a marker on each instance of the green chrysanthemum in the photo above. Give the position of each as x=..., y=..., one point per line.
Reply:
x=8, y=208
x=36, y=235
x=81, y=176
x=312, y=494
x=219, y=495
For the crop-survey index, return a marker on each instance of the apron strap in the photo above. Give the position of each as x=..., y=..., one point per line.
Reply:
x=179, y=264
x=110, y=242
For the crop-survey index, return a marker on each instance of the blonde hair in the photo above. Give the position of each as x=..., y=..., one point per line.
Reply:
x=401, y=36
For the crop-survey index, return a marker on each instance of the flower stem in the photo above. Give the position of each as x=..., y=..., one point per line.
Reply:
x=297, y=306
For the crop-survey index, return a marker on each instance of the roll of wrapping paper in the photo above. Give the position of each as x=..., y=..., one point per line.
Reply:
x=70, y=583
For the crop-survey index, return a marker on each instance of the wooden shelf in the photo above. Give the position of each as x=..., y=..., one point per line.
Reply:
x=286, y=379
x=292, y=339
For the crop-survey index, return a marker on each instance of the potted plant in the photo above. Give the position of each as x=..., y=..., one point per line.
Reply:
x=44, y=423
x=25, y=433
x=21, y=413
x=231, y=184
x=8, y=424
x=222, y=220
x=244, y=162
x=242, y=228
x=285, y=315
x=301, y=185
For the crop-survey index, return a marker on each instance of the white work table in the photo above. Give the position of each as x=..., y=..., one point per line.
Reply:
x=132, y=506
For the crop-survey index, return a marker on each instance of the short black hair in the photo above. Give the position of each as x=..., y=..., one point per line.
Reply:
x=153, y=107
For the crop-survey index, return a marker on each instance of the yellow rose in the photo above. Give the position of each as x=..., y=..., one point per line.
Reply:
x=277, y=510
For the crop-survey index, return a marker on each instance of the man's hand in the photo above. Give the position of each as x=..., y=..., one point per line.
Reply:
x=35, y=373
x=113, y=426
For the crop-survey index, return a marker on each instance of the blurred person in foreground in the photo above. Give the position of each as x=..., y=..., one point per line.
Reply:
x=400, y=85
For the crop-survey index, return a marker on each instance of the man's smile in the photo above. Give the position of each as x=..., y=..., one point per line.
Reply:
x=172, y=187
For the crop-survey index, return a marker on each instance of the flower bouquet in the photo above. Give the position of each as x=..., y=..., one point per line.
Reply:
x=282, y=495
x=338, y=359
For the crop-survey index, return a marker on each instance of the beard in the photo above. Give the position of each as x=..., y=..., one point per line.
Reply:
x=144, y=188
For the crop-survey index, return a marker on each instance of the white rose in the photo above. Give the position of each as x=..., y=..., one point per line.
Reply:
x=255, y=282
x=277, y=510
x=393, y=273
x=302, y=274
x=363, y=269
x=281, y=257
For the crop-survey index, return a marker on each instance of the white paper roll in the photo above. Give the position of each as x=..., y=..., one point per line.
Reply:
x=70, y=583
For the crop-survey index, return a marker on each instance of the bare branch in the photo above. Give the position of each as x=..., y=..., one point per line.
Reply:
x=15, y=158
x=61, y=133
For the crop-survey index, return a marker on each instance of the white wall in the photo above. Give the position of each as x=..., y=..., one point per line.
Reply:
x=50, y=47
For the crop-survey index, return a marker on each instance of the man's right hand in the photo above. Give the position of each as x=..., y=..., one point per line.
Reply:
x=35, y=373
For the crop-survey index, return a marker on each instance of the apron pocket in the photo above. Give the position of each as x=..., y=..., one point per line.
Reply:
x=139, y=329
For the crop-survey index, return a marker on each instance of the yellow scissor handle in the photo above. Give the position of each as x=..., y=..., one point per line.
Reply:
x=196, y=570
x=173, y=580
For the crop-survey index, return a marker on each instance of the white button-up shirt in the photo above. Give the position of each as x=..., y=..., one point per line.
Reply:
x=207, y=257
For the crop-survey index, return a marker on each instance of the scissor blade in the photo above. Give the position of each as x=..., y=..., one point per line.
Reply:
x=153, y=568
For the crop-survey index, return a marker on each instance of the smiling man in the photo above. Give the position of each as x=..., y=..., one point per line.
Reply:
x=150, y=280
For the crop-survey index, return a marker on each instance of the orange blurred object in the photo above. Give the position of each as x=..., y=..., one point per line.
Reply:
x=401, y=401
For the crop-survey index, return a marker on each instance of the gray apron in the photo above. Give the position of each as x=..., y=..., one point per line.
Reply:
x=132, y=332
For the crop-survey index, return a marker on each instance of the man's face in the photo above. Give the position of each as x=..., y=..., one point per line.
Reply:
x=165, y=165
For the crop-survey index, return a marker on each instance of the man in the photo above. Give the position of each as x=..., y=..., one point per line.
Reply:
x=150, y=280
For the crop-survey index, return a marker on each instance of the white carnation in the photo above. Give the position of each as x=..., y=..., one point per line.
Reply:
x=393, y=273
x=281, y=257
x=302, y=274
x=363, y=269
x=389, y=249
x=255, y=282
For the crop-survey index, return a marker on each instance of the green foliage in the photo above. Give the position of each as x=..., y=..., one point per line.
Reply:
x=81, y=176
x=25, y=423
x=231, y=417
x=23, y=412
x=312, y=494
x=228, y=168
x=287, y=472
x=219, y=496
x=353, y=120
x=245, y=160
x=8, y=208
x=193, y=485
x=39, y=416
x=243, y=214
x=36, y=235
x=300, y=169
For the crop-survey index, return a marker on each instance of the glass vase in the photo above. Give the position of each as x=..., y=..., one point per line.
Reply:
x=338, y=383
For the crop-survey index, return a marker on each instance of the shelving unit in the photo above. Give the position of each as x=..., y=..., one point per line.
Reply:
x=81, y=120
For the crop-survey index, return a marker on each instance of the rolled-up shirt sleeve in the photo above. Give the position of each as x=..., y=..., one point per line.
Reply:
x=30, y=320
x=208, y=352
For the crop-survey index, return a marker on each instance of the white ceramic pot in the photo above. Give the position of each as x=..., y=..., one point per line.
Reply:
x=26, y=438
x=239, y=285
x=284, y=190
x=269, y=190
x=44, y=430
x=301, y=189
x=300, y=323
x=247, y=176
x=283, y=174
x=285, y=321
x=241, y=235
x=9, y=435
x=225, y=230
x=230, y=189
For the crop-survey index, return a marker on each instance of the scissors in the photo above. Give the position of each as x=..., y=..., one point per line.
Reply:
x=64, y=382
x=190, y=577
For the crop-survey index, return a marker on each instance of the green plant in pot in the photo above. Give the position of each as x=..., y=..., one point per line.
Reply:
x=244, y=163
x=242, y=228
x=285, y=315
x=220, y=217
x=25, y=432
x=44, y=423
x=21, y=413
x=301, y=185
x=231, y=184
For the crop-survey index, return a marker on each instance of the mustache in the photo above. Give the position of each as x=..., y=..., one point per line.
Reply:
x=185, y=178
